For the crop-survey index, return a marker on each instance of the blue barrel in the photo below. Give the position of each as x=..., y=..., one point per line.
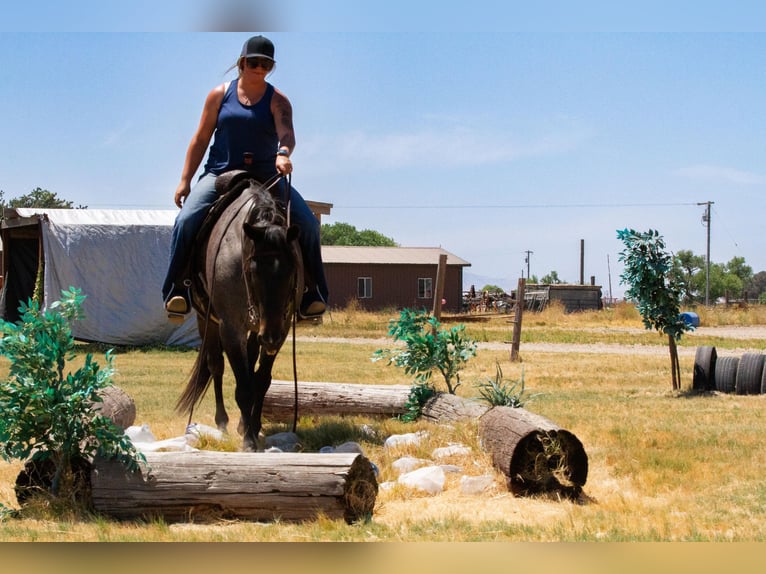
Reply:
x=690, y=318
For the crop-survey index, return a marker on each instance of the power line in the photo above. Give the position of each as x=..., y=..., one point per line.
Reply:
x=513, y=206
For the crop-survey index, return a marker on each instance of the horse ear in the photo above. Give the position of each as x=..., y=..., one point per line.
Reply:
x=293, y=232
x=254, y=232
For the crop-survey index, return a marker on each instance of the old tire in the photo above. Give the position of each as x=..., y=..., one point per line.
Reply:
x=704, y=369
x=749, y=374
x=726, y=374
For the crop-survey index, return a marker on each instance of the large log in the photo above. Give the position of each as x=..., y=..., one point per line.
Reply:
x=335, y=398
x=535, y=454
x=444, y=407
x=207, y=485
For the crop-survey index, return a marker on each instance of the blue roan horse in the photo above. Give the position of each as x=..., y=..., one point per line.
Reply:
x=247, y=283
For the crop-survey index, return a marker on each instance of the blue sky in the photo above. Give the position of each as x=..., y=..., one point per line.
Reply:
x=487, y=133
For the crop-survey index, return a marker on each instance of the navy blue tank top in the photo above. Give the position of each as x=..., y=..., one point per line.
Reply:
x=243, y=130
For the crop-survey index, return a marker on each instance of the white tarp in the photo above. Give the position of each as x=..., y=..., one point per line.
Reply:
x=118, y=258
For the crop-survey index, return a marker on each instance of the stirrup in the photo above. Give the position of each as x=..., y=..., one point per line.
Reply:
x=177, y=305
x=176, y=318
x=314, y=310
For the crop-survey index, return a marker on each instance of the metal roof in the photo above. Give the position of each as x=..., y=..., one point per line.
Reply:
x=389, y=255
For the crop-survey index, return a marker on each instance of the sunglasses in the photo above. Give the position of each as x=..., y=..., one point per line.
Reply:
x=255, y=61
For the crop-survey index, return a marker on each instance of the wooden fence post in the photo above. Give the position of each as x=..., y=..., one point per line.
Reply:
x=441, y=276
x=520, y=304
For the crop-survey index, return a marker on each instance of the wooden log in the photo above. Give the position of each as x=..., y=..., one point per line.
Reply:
x=535, y=454
x=335, y=398
x=117, y=405
x=444, y=407
x=207, y=485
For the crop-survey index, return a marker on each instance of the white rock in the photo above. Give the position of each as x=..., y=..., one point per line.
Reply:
x=452, y=468
x=407, y=464
x=429, y=479
x=171, y=444
x=349, y=447
x=412, y=438
x=140, y=433
x=476, y=484
x=285, y=441
x=451, y=450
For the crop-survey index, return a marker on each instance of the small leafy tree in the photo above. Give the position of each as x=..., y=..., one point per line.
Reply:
x=48, y=415
x=428, y=347
x=654, y=288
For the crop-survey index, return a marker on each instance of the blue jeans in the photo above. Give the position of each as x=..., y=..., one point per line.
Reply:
x=192, y=214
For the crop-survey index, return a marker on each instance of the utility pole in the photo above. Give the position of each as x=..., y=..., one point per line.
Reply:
x=706, y=223
x=526, y=260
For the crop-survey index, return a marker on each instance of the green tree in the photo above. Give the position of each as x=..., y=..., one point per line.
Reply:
x=38, y=197
x=551, y=279
x=652, y=286
x=489, y=288
x=346, y=234
x=686, y=266
x=756, y=286
x=722, y=283
x=739, y=269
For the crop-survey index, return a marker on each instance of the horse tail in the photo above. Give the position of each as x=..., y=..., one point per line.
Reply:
x=199, y=381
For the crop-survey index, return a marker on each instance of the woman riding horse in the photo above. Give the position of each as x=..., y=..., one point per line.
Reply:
x=251, y=124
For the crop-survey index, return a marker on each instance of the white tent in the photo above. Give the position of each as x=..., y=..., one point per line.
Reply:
x=118, y=259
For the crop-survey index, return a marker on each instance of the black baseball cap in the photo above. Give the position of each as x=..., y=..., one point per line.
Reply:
x=258, y=46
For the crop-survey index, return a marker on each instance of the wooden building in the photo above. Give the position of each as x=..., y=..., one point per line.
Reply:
x=391, y=277
x=573, y=297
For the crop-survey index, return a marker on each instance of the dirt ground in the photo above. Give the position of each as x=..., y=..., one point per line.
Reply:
x=729, y=332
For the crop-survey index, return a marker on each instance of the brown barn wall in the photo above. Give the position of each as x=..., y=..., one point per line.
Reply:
x=393, y=285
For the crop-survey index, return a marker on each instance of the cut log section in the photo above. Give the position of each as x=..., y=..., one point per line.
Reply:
x=117, y=405
x=207, y=485
x=335, y=398
x=535, y=455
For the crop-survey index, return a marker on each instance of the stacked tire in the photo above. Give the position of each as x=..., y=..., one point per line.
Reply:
x=744, y=375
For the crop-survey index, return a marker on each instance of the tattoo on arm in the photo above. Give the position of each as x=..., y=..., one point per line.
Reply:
x=283, y=117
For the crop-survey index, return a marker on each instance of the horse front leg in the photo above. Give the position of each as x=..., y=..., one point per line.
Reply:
x=261, y=384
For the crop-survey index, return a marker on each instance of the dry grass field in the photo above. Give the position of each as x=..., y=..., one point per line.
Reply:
x=663, y=465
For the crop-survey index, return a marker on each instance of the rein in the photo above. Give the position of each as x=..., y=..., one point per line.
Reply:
x=296, y=305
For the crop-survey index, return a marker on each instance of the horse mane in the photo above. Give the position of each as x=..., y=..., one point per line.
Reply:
x=266, y=213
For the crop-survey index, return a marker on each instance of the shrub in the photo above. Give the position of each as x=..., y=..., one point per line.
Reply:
x=500, y=393
x=47, y=415
x=428, y=347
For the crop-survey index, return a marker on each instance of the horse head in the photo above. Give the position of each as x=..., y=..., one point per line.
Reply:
x=270, y=266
